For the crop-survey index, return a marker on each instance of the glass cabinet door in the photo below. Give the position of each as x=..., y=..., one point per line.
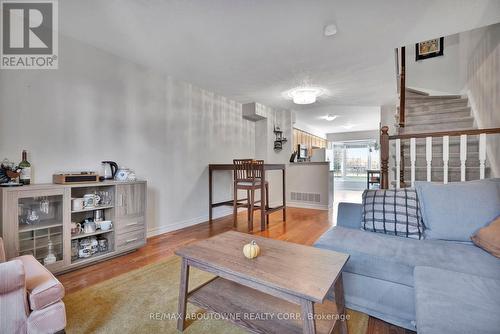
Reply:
x=40, y=227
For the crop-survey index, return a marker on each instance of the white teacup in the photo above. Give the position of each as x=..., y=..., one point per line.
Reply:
x=77, y=204
x=105, y=225
x=91, y=200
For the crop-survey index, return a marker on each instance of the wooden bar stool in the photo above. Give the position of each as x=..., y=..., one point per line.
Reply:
x=248, y=176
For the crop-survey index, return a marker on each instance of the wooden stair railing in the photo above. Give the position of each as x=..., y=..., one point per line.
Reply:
x=385, y=140
x=401, y=80
x=384, y=157
x=402, y=88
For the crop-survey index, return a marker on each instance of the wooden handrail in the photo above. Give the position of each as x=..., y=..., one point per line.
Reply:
x=396, y=63
x=402, y=89
x=384, y=157
x=453, y=133
x=385, y=139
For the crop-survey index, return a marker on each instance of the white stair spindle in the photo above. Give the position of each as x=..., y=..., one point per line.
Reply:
x=413, y=158
x=398, y=163
x=428, y=156
x=446, y=157
x=482, y=155
x=463, y=156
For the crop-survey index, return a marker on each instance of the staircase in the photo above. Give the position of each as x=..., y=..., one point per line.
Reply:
x=437, y=138
x=436, y=113
x=426, y=113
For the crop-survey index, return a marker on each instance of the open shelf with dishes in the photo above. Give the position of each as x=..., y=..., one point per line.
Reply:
x=92, y=215
x=84, y=248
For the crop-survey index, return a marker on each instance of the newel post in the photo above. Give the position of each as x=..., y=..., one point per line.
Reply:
x=384, y=157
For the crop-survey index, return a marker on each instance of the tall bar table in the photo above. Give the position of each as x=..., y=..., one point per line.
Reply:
x=264, y=211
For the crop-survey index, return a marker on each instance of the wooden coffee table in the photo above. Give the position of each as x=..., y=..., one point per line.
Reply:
x=281, y=291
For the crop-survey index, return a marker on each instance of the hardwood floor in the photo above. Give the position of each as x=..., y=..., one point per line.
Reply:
x=303, y=226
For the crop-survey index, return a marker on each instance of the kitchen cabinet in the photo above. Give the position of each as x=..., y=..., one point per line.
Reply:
x=130, y=200
x=35, y=216
x=304, y=138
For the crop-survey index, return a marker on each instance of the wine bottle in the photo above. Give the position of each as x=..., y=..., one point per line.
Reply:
x=25, y=166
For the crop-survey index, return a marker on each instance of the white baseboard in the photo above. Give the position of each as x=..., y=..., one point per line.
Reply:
x=305, y=205
x=217, y=213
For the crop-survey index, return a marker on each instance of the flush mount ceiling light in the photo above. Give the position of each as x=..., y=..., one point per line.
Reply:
x=330, y=117
x=305, y=95
x=348, y=126
x=330, y=30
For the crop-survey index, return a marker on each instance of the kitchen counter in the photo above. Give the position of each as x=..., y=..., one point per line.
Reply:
x=310, y=185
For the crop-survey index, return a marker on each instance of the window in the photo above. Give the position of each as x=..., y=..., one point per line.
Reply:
x=351, y=160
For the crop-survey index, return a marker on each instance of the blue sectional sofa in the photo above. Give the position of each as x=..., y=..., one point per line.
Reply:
x=432, y=286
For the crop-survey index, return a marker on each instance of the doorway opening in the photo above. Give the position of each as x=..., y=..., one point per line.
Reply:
x=351, y=162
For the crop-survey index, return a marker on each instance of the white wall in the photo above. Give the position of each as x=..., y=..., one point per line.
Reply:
x=388, y=115
x=264, y=148
x=480, y=61
x=98, y=106
x=355, y=135
x=438, y=75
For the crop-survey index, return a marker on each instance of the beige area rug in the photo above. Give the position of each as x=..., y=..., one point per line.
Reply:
x=142, y=301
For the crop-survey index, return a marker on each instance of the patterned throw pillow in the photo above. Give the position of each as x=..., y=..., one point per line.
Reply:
x=393, y=211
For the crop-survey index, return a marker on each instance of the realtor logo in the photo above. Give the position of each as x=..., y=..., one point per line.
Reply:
x=29, y=34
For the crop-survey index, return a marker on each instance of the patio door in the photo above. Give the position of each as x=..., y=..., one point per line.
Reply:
x=350, y=162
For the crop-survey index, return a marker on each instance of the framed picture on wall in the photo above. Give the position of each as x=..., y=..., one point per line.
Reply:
x=429, y=49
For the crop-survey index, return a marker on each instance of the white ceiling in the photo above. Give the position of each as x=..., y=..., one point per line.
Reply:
x=251, y=50
x=349, y=118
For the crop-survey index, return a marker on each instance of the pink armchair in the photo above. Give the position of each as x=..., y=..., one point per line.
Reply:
x=30, y=297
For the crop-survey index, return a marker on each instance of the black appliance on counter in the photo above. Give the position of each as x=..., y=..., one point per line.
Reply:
x=302, y=152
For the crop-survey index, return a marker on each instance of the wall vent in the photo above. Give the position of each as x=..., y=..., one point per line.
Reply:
x=305, y=197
